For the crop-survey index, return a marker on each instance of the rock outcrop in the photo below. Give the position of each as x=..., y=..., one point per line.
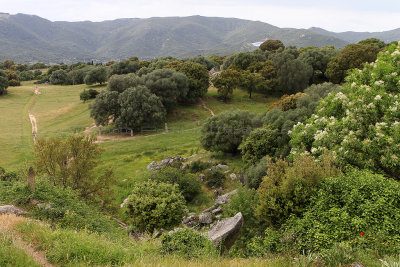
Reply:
x=168, y=161
x=10, y=209
x=224, y=233
x=225, y=198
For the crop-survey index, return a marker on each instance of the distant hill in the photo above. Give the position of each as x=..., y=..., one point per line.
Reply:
x=355, y=37
x=29, y=38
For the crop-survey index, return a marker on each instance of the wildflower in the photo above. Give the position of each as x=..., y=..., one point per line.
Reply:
x=362, y=233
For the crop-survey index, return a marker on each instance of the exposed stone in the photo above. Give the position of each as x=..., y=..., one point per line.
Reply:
x=210, y=209
x=226, y=172
x=224, y=233
x=219, y=167
x=202, y=176
x=233, y=176
x=10, y=209
x=205, y=218
x=225, y=198
x=155, y=166
x=190, y=221
x=217, y=210
x=124, y=202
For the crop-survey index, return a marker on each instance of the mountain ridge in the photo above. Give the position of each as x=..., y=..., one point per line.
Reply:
x=30, y=38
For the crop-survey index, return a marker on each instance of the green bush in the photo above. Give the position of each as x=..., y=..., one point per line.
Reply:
x=287, y=187
x=154, y=205
x=225, y=132
x=198, y=166
x=188, y=184
x=12, y=256
x=345, y=206
x=270, y=242
x=214, y=179
x=187, y=243
x=7, y=176
x=56, y=205
x=260, y=143
x=255, y=173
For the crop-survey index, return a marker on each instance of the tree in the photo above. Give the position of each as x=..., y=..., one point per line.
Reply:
x=120, y=83
x=361, y=122
x=3, y=82
x=167, y=84
x=228, y=80
x=105, y=108
x=250, y=82
x=225, y=132
x=198, y=80
x=13, y=79
x=96, y=75
x=318, y=59
x=352, y=56
x=271, y=45
x=155, y=205
x=60, y=77
x=125, y=67
x=138, y=107
x=373, y=41
x=269, y=74
x=71, y=163
x=260, y=143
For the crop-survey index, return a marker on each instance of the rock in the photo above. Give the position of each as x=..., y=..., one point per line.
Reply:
x=10, y=209
x=205, y=218
x=190, y=221
x=219, y=167
x=357, y=264
x=226, y=172
x=218, y=217
x=225, y=198
x=233, y=176
x=210, y=209
x=224, y=234
x=155, y=166
x=124, y=202
x=202, y=176
x=158, y=233
x=217, y=210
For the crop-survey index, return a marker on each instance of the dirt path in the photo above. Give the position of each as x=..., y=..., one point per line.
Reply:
x=203, y=104
x=32, y=118
x=7, y=223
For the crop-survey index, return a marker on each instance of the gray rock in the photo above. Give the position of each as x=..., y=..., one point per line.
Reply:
x=233, y=176
x=190, y=221
x=225, y=198
x=217, y=210
x=10, y=209
x=226, y=172
x=155, y=166
x=210, y=209
x=205, y=218
x=219, y=167
x=224, y=234
x=124, y=202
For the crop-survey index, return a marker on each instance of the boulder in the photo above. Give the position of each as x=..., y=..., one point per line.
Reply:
x=155, y=166
x=233, y=176
x=205, y=218
x=10, y=209
x=217, y=210
x=219, y=167
x=224, y=233
x=225, y=198
x=190, y=221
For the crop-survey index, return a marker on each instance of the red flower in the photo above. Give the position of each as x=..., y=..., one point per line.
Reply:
x=362, y=233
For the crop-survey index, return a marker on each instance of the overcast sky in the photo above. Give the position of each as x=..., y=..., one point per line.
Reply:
x=339, y=15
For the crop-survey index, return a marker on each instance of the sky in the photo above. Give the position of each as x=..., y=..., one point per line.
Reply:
x=338, y=16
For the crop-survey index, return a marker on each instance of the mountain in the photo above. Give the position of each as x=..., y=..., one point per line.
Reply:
x=29, y=38
x=355, y=37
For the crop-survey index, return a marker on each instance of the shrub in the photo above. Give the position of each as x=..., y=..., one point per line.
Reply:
x=225, y=132
x=198, y=166
x=188, y=184
x=7, y=176
x=345, y=206
x=287, y=187
x=60, y=77
x=154, y=205
x=14, y=82
x=187, y=243
x=84, y=96
x=214, y=178
x=361, y=123
x=255, y=173
x=260, y=143
x=120, y=83
x=270, y=242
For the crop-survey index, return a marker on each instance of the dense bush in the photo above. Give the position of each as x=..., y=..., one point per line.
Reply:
x=198, y=166
x=225, y=132
x=360, y=123
x=255, y=173
x=88, y=94
x=214, y=178
x=125, y=67
x=60, y=77
x=105, y=108
x=120, y=83
x=154, y=205
x=287, y=187
x=346, y=206
x=187, y=243
x=3, y=82
x=7, y=176
x=260, y=143
x=96, y=75
x=188, y=184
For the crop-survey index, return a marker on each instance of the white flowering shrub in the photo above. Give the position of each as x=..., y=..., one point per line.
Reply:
x=361, y=123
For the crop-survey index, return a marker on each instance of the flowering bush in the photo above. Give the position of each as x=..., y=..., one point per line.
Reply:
x=360, y=124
